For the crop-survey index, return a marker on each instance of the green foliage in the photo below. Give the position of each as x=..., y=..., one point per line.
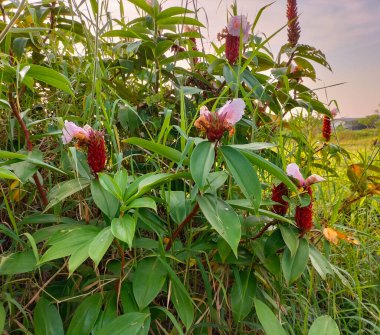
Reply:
x=176, y=234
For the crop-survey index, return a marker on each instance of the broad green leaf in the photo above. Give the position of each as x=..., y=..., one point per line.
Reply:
x=123, y=228
x=45, y=219
x=320, y=263
x=148, y=280
x=109, y=184
x=324, y=325
x=6, y=174
x=253, y=146
x=171, y=11
x=180, y=298
x=78, y=257
x=271, y=168
x=168, y=152
x=290, y=237
x=181, y=56
x=64, y=189
x=201, y=162
x=121, y=179
x=128, y=301
x=268, y=320
x=3, y=316
x=66, y=241
x=130, y=323
x=222, y=218
x=293, y=267
x=244, y=174
x=142, y=4
x=177, y=204
x=144, y=202
x=19, y=262
x=242, y=294
x=47, y=320
x=149, y=182
x=100, y=245
x=49, y=77
x=179, y=20
x=85, y=315
x=106, y=202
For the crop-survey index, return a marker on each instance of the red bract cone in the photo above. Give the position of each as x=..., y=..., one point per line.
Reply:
x=232, y=48
x=277, y=193
x=304, y=215
x=96, y=152
x=294, y=29
x=326, y=128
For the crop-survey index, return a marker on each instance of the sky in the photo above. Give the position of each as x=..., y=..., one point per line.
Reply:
x=347, y=31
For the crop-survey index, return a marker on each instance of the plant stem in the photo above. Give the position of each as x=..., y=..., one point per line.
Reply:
x=29, y=145
x=263, y=230
x=182, y=225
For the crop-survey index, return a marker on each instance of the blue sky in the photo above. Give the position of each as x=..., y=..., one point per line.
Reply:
x=347, y=31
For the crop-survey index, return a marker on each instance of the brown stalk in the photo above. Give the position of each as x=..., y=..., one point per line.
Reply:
x=182, y=225
x=29, y=145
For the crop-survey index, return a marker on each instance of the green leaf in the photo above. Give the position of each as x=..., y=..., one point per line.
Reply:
x=19, y=262
x=293, y=267
x=242, y=294
x=290, y=237
x=85, y=315
x=180, y=297
x=130, y=323
x=268, y=320
x=6, y=174
x=49, y=77
x=253, y=146
x=271, y=168
x=222, y=218
x=169, y=153
x=47, y=320
x=144, y=202
x=148, y=182
x=3, y=315
x=142, y=4
x=244, y=174
x=148, y=280
x=320, y=263
x=67, y=240
x=201, y=162
x=171, y=11
x=78, y=257
x=63, y=190
x=179, y=20
x=123, y=228
x=324, y=325
x=106, y=202
x=110, y=185
x=181, y=56
x=100, y=245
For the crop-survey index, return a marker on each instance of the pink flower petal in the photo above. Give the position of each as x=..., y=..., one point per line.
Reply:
x=239, y=22
x=71, y=130
x=292, y=170
x=314, y=178
x=204, y=111
x=232, y=111
x=334, y=112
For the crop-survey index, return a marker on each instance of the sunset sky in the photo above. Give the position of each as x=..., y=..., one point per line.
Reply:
x=347, y=31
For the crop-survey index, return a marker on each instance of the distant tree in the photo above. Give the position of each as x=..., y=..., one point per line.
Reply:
x=370, y=121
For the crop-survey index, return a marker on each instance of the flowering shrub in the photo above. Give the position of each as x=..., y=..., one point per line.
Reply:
x=173, y=212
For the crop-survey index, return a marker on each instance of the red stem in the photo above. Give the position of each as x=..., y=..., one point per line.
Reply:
x=182, y=225
x=29, y=144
